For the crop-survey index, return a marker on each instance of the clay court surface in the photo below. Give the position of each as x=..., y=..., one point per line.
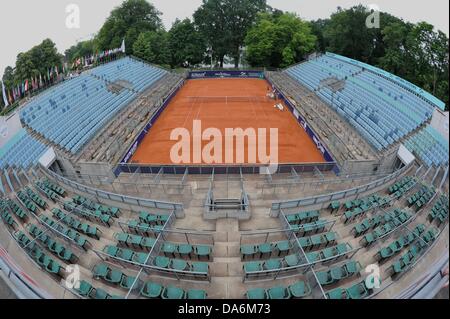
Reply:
x=294, y=145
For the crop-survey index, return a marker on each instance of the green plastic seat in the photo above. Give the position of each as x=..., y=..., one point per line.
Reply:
x=114, y=276
x=256, y=294
x=358, y=291
x=265, y=248
x=127, y=282
x=100, y=271
x=292, y=260
x=179, y=264
x=84, y=288
x=202, y=251
x=151, y=290
x=101, y=294
x=279, y=292
x=169, y=248
x=196, y=294
x=252, y=266
x=248, y=250
x=283, y=246
x=172, y=292
x=300, y=289
x=272, y=264
x=185, y=249
x=338, y=293
x=200, y=267
x=162, y=262
x=324, y=278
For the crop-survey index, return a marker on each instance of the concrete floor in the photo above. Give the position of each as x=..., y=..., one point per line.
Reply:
x=5, y=291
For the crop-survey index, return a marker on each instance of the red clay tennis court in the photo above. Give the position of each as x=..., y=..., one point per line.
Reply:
x=221, y=104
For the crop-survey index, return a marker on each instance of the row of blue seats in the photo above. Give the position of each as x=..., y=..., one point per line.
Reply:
x=371, y=103
x=430, y=146
x=139, y=74
x=71, y=113
x=83, y=103
x=23, y=154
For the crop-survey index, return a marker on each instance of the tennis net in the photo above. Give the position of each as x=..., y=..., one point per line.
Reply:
x=226, y=99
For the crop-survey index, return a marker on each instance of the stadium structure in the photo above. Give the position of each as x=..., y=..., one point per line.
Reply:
x=357, y=207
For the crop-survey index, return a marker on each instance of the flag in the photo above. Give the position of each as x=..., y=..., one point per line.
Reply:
x=56, y=70
x=40, y=80
x=5, y=99
x=26, y=86
x=10, y=97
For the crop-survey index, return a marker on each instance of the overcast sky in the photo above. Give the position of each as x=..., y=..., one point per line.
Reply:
x=25, y=23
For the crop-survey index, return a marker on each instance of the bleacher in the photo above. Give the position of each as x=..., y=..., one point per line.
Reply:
x=71, y=113
x=23, y=151
x=383, y=110
x=430, y=146
x=139, y=74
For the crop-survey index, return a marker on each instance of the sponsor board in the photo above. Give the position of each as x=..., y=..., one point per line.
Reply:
x=226, y=74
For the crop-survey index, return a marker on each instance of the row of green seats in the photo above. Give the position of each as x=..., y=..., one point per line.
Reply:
x=43, y=260
x=364, y=208
x=8, y=219
x=136, y=241
x=29, y=204
x=181, y=265
x=272, y=264
x=75, y=236
x=404, y=189
x=303, y=217
x=395, y=247
x=137, y=227
x=84, y=228
x=47, y=191
x=17, y=210
x=329, y=253
x=153, y=219
x=358, y=203
x=36, y=198
x=357, y=291
x=411, y=256
x=400, y=184
x=317, y=241
x=186, y=250
x=251, y=251
x=113, y=276
x=439, y=212
x=421, y=198
x=386, y=228
x=61, y=251
x=154, y=291
x=125, y=254
x=373, y=222
x=96, y=216
x=306, y=229
x=300, y=289
x=336, y=274
x=85, y=289
x=57, y=189
x=87, y=203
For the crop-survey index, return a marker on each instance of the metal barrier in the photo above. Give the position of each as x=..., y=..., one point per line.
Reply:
x=127, y=200
x=327, y=198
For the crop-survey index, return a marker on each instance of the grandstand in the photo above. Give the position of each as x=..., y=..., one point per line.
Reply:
x=382, y=109
x=86, y=102
x=161, y=231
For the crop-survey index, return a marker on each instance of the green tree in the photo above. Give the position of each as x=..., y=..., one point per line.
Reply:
x=186, y=44
x=79, y=50
x=153, y=47
x=127, y=22
x=225, y=23
x=279, y=41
